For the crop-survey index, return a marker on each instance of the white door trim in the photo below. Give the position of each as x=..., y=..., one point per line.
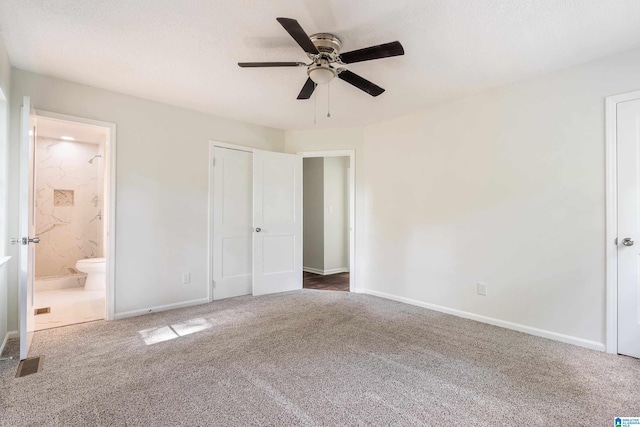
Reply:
x=212, y=145
x=611, y=233
x=110, y=151
x=352, y=205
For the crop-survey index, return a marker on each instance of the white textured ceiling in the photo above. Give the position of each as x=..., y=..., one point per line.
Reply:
x=185, y=52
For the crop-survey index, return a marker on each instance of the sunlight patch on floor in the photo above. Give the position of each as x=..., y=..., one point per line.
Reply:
x=165, y=333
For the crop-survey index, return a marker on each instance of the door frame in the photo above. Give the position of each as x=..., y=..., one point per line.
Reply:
x=611, y=216
x=212, y=146
x=352, y=204
x=110, y=153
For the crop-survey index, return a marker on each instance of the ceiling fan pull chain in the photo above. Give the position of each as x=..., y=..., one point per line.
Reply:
x=329, y=100
x=315, y=105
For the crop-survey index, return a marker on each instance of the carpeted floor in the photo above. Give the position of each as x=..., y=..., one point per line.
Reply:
x=313, y=358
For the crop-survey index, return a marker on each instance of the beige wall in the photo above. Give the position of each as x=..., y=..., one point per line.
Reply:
x=161, y=185
x=336, y=214
x=504, y=187
x=313, y=213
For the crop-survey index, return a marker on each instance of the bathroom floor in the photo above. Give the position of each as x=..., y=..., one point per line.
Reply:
x=68, y=306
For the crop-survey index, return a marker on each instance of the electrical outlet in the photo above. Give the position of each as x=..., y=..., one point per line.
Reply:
x=186, y=278
x=482, y=289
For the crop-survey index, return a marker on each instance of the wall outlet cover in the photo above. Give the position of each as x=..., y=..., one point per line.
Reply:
x=186, y=278
x=482, y=289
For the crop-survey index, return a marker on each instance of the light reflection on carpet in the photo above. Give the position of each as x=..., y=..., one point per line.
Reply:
x=165, y=333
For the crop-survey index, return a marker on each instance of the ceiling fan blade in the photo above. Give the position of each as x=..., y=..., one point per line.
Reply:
x=295, y=30
x=374, y=52
x=360, y=83
x=270, y=64
x=307, y=89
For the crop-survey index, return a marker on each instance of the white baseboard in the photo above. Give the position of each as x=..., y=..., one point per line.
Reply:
x=156, y=309
x=4, y=342
x=325, y=272
x=9, y=335
x=593, y=345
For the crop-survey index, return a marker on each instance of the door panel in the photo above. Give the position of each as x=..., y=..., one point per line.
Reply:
x=278, y=190
x=277, y=204
x=628, y=142
x=232, y=223
x=277, y=254
x=26, y=227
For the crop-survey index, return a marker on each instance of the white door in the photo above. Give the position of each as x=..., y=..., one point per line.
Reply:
x=27, y=227
x=628, y=146
x=277, y=221
x=232, y=223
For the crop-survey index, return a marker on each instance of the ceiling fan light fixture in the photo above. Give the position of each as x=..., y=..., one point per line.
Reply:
x=321, y=75
x=325, y=52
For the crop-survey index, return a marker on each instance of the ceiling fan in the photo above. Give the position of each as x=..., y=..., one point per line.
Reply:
x=323, y=49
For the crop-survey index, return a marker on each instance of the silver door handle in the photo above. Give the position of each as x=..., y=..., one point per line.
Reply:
x=628, y=241
x=258, y=229
x=25, y=240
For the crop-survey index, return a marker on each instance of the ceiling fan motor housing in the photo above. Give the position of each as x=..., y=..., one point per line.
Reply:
x=328, y=44
x=322, y=70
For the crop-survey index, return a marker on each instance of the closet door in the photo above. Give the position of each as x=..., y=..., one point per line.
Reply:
x=232, y=223
x=277, y=222
x=628, y=191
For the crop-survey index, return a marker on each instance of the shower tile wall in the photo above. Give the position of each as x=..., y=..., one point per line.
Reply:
x=68, y=203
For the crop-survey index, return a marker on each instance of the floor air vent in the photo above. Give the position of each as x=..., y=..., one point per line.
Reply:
x=31, y=365
x=43, y=310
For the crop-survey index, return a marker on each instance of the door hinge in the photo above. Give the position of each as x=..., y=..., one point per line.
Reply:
x=214, y=161
x=213, y=284
x=615, y=242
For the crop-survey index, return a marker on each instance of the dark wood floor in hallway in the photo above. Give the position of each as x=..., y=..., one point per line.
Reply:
x=331, y=282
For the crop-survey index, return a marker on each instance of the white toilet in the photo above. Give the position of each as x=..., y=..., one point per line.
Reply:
x=96, y=269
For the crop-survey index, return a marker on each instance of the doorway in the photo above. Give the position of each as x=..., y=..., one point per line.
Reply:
x=623, y=228
x=59, y=209
x=326, y=223
x=71, y=213
x=329, y=219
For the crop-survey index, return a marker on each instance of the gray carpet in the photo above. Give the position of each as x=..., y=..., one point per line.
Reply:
x=313, y=358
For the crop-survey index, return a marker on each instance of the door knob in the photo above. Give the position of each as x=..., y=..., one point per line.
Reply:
x=628, y=241
x=25, y=240
x=258, y=229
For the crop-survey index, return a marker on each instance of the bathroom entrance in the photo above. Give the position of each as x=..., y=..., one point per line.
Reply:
x=71, y=212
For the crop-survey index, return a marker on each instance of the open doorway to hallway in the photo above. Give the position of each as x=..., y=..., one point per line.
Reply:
x=326, y=202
